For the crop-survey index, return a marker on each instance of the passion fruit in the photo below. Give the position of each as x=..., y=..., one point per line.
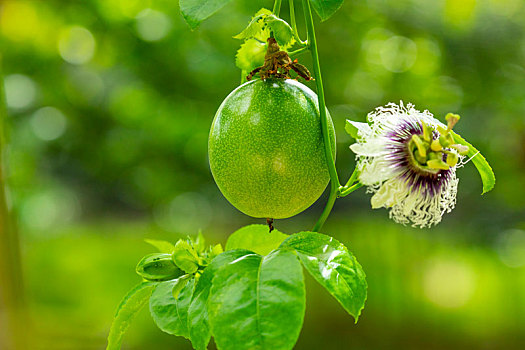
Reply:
x=266, y=148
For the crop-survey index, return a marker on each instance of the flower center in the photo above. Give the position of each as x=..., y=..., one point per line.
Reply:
x=431, y=154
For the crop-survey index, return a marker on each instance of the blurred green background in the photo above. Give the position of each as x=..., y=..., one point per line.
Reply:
x=110, y=104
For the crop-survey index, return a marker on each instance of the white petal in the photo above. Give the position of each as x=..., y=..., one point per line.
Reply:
x=389, y=194
x=375, y=172
x=369, y=149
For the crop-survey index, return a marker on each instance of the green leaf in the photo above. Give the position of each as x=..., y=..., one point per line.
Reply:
x=250, y=55
x=198, y=312
x=255, y=238
x=258, y=302
x=485, y=171
x=356, y=129
x=181, y=283
x=126, y=311
x=185, y=257
x=200, y=243
x=326, y=8
x=215, y=250
x=162, y=246
x=262, y=23
x=170, y=312
x=196, y=11
x=256, y=28
x=333, y=266
x=282, y=31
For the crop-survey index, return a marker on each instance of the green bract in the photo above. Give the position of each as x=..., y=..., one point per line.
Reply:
x=158, y=267
x=266, y=148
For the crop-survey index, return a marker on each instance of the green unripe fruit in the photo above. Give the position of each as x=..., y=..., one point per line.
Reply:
x=266, y=148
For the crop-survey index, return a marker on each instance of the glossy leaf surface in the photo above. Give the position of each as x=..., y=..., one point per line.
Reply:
x=326, y=8
x=170, y=313
x=333, y=266
x=126, y=312
x=484, y=169
x=258, y=302
x=198, y=313
x=196, y=11
x=255, y=238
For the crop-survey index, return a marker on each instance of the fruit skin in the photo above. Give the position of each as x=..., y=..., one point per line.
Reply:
x=266, y=148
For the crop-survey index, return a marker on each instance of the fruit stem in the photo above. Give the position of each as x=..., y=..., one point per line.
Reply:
x=352, y=178
x=334, y=179
x=297, y=52
x=269, y=222
x=294, y=25
x=277, y=7
x=326, y=211
x=345, y=191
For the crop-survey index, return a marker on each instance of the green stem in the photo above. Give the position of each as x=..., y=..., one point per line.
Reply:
x=341, y=192
x=326, y=211
x=334, y=179
x=297, y=52
x=352, y=178
x=277, y=7
x=345, y=191
x=294, y=24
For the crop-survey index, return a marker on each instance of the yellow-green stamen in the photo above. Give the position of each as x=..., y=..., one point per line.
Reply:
x=428, y=153
x=451, y=119
x=420, y=145
x=437, y=164
x=452, y=159
x=436, y=146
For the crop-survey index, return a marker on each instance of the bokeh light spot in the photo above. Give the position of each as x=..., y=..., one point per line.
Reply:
x=131, y=8
x=428, y=58
x=40, y=211
x=85, y=86
x=48, y=208
x=372, y=46
x=506, y=8
x=48, y=123
x=365, y=86
x=460, y=14
x=187, y=213
x=18, y=20
x=398, y=54
x=76, y=45
x=20, y=91
x=443, y=94
x=511, y=248
x=152, y=25
x=448, y=283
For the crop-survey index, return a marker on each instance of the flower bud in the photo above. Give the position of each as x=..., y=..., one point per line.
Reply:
x=158, y=267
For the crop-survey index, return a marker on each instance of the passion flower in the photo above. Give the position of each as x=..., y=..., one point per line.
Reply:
x=408, y=160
